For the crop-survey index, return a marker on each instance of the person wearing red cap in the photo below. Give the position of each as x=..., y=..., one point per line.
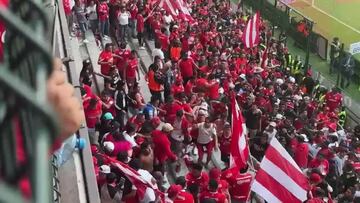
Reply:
x=213, y=193
x=239, y=184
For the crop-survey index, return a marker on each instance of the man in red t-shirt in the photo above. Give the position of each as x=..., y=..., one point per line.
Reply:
x=239, y=183
x=131, y=70
x=103, y=11
x=213, y=193
x=140, y=24
x=122, y=56
x=106, y=59
x=184, y=196
x=333, y=99
x=164, y=40
x=301, y=151
x=186, y=66
x=197, y=176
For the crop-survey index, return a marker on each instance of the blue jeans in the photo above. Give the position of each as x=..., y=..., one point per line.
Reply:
x=122, y=32
x=83, y=27
x=104, y=27
x=132, y=24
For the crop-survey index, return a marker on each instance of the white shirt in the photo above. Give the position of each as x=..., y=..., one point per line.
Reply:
x=149, y=195
x=130, y=139
x=168, y=19
x=177, y=132
x=91, y=10
x=205, y=134
x=124, y=18
x=158, y=52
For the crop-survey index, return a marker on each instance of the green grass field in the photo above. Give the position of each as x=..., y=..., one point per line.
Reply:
x=345, y=24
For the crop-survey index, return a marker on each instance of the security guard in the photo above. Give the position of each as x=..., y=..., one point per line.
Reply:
x=296, y=68
x=342, y=116
x=288, y=59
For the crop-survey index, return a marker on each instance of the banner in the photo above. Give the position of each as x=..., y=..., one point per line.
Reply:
x=354, y=48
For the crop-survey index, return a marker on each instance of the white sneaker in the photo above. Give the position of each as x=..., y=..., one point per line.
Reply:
x=106, y=37
x=142, y=48
x=86, y=41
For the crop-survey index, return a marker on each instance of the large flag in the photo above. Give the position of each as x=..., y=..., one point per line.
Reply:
x=279, y=179
x=177, y=8
x=239, y=146
x=135, y=178
x=251, y=35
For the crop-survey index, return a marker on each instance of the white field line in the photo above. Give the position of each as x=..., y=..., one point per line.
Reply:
x=333, y=17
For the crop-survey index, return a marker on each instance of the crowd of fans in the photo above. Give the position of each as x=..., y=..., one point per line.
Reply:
x=198, y=64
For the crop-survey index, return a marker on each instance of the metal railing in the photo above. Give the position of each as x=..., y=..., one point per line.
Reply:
x=26, y=118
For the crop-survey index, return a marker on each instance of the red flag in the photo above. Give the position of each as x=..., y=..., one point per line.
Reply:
x=279, y=178
x=251, y=36
x=135, y=178
x=239, y=145
x=177, y=8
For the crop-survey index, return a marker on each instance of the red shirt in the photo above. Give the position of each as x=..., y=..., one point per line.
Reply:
x=188, y=88
x=136, y=122
x=103, y=11
x=184, y=197
x=139, y=23
x=202, y=181
x=67, y=7
x=217, y=196
x=176, y=89
x=132, y=68
x=164, y=41
x=301, y=155
x=112, y=110
x=162, y=151
x=316, y=163
x=186, y=67
x=239, y=184
x=225, y=143
x=93, y=115
x=133, y=11
x=105, y=56
x=214, y=91
x=333, y=100
x=121, y=62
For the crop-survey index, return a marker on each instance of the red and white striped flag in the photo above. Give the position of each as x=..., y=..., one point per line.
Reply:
x=239, y=145
x=135, y=178
x=177, y=8
x=251, y=35
x=279, y=179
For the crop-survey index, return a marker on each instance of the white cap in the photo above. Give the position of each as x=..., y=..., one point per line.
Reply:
x=291, y=79
x=305, y=137
x=221, y=90
x=109, y=146
x=273, y=124
x=279, y=116
x=105, y=169
x=243, y=76
x=167, y=127
x=279, y=81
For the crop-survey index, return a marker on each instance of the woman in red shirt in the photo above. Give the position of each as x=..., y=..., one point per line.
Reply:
x=131, y=70
x=106, y=59
x=92, y=114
